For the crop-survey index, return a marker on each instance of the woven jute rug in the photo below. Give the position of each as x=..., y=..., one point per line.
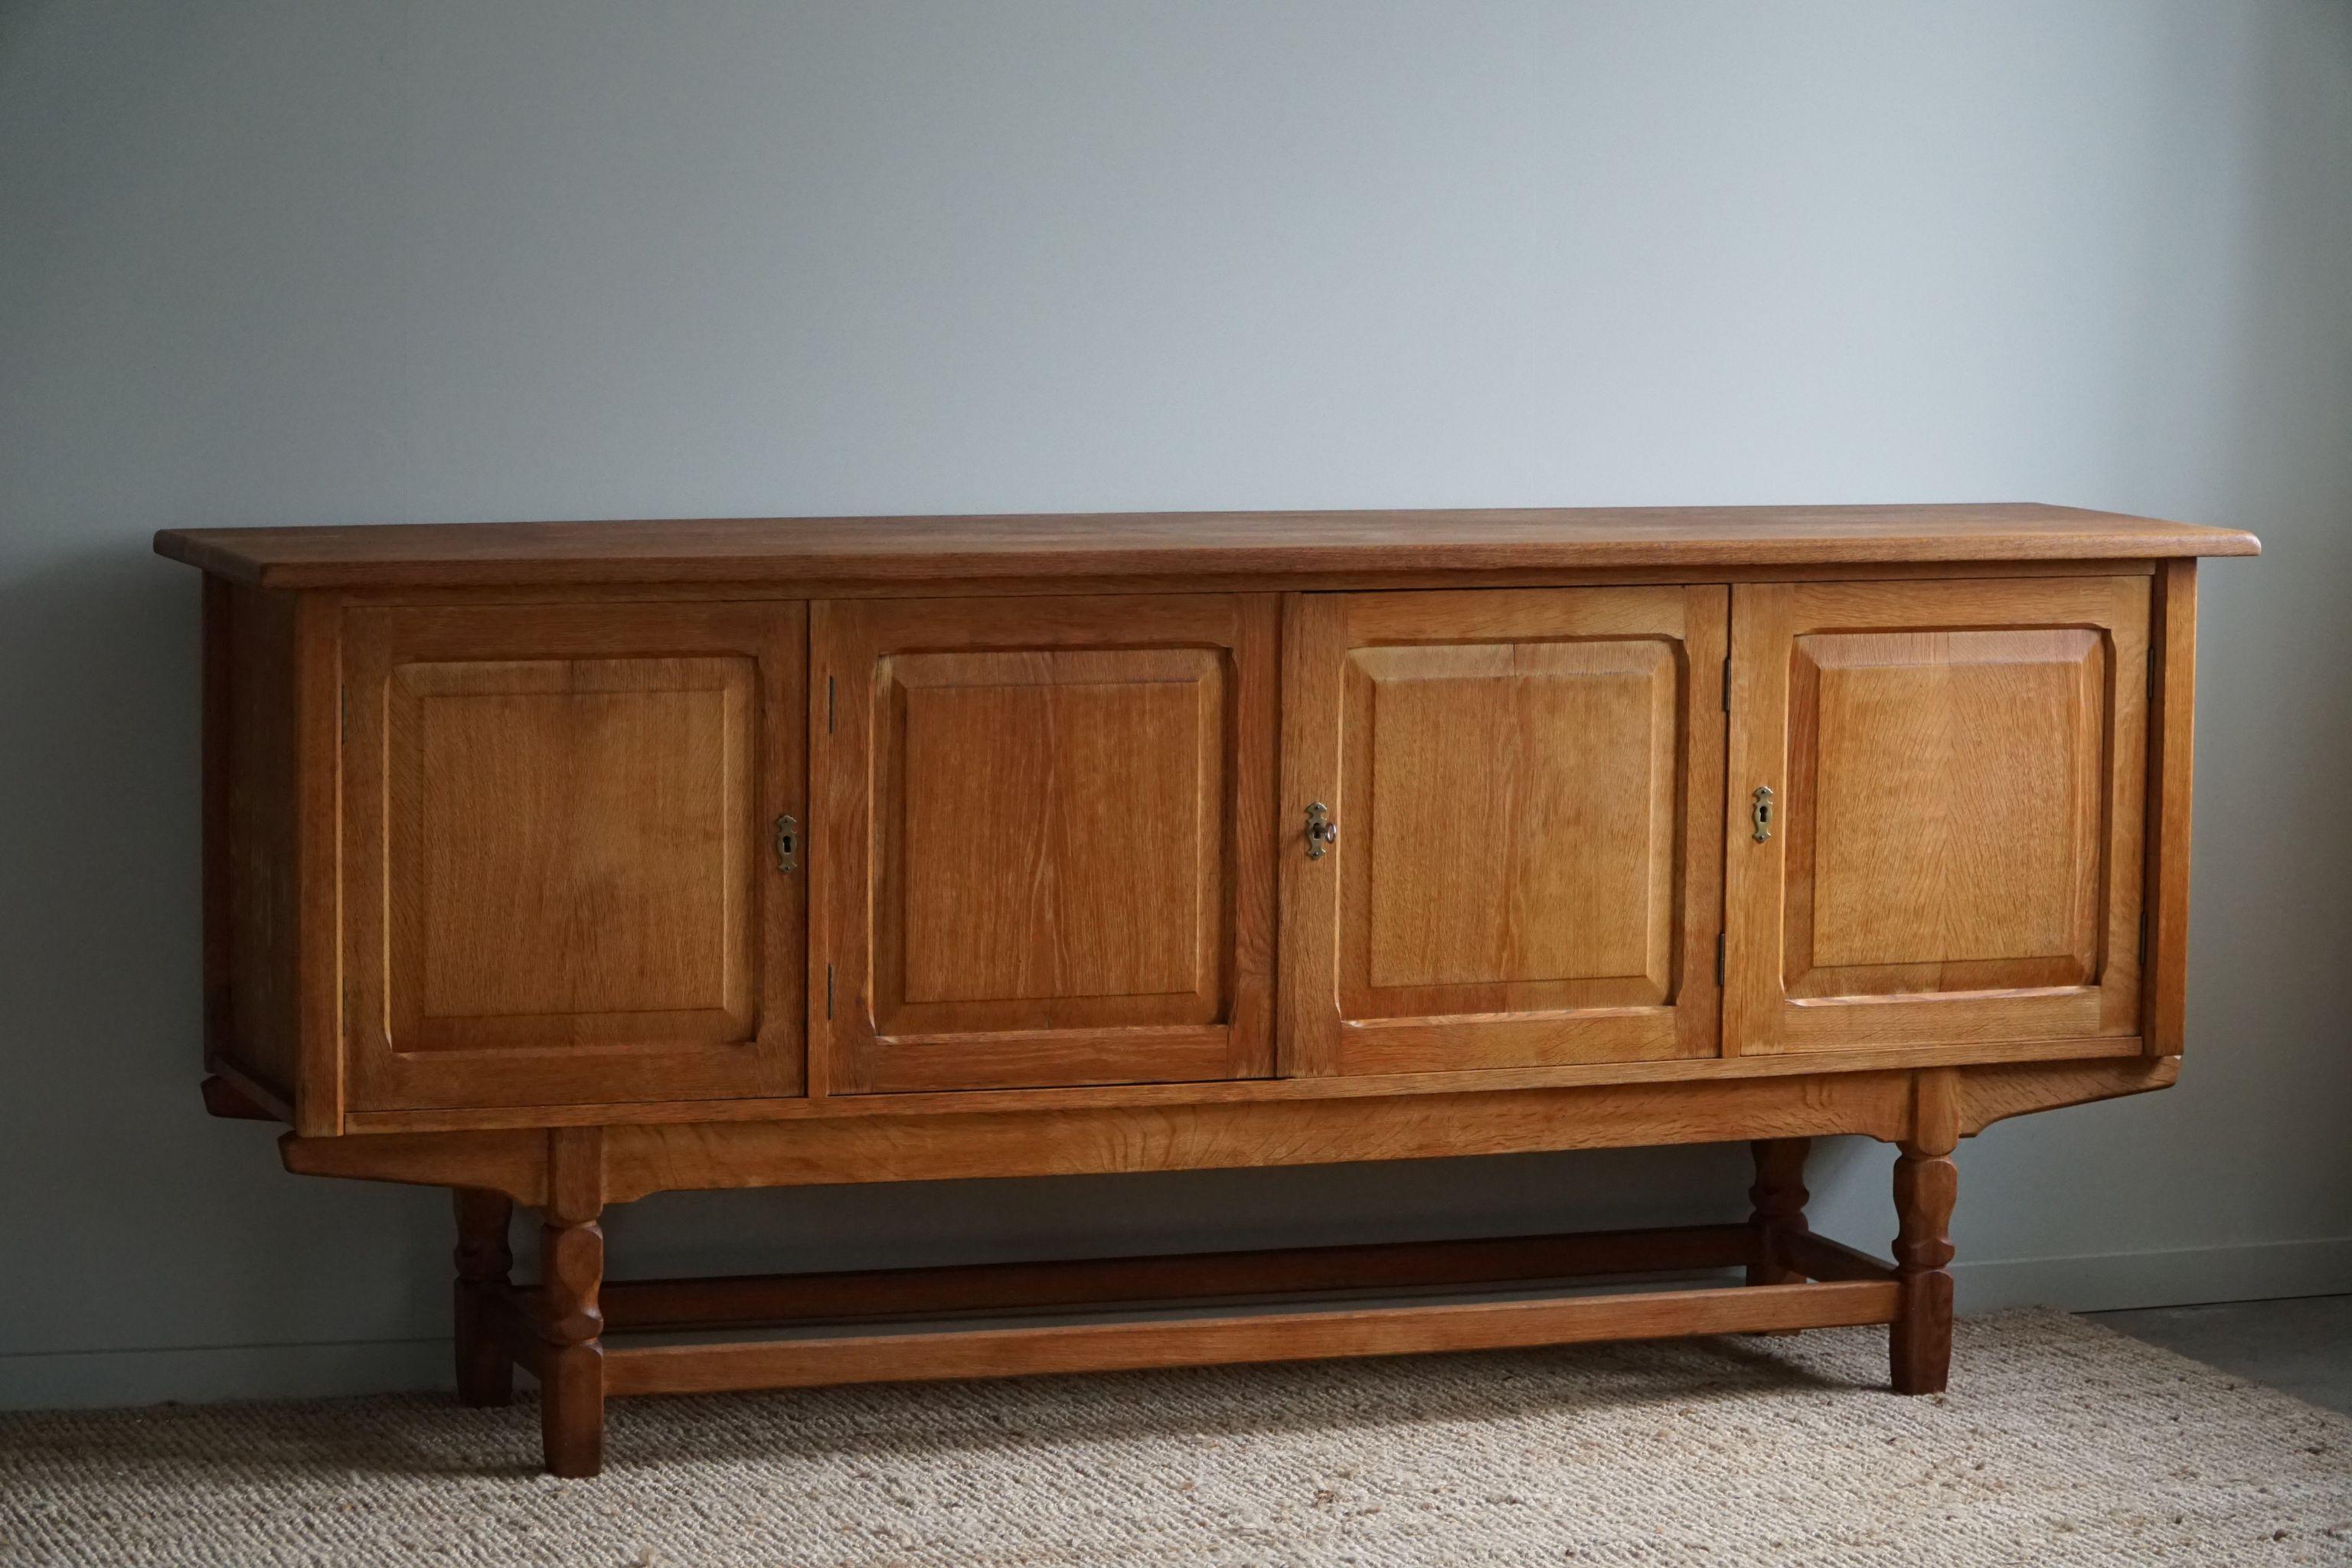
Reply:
x=2061, y=1442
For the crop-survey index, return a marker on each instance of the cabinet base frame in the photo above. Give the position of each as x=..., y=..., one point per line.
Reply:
x=884, y=1326
x=573, y=1331
x=868, y=1337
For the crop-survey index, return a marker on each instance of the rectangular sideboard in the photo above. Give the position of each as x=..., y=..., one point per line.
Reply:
x=559, y=864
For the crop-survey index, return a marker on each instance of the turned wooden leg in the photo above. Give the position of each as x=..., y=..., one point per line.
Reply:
x=571, y=1271
x=1920, y=1342
x=1779, y=1196
x=485, y=1375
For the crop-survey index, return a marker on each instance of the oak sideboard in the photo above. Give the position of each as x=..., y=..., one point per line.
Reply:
x=559, y=864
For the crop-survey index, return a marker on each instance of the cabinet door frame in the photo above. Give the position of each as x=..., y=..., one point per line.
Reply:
x=851, y=640
x=1319, y=633
x=1768, y=619
x=725, y=1054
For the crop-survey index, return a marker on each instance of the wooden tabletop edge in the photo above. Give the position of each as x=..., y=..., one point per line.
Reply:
x=754, y=550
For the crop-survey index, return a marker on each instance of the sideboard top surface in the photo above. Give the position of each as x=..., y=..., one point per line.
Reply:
x=1174, y=545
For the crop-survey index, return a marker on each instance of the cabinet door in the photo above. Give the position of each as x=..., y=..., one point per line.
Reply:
x=1045, y=853
x=1527, y=794
x=1952, y=852
x=562, y=877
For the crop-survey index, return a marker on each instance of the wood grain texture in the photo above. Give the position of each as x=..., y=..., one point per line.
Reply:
x=1051, y=840
x=1919, y=1341
x=253, y=1014
x=572, y=1370
x=651, y=1158
x=269, y=992
x=1265, y=544
x=891, y=1142
x=1142, y=1096
x=574, y=842
x=1304, y=1335
x=1989, y=1094
x=1777, y=1207
x=513, y=1162
x=1953, y=821
x=2172, y=759
x=485, y=1372
x=556, y=833
x=1959, y=788
x=1042, y=850
x=993, y=1288
x=1528, y=789
x=321, y=1087
x=488, y=815
x=1520, y=807
x=1364, y=578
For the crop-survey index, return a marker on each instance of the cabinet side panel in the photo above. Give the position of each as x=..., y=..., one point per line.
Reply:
x=213, y=776
x=2172, y=649
x=252, y=892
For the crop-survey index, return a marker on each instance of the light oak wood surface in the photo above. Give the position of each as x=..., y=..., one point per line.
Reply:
x=561, y=864
x=556, y=834
x=1526, y=789
x=2171, y=750
x=1958, y=796
x=648, y=1157
x=1261, y=543
x=1144, y=1095
x=1044, y=852
x=959, y=1354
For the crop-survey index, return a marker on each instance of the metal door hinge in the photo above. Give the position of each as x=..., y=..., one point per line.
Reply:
x=2143, y=935
x=1718, y=957
x=828, y=990
x=1726, y=686
x=828, y=705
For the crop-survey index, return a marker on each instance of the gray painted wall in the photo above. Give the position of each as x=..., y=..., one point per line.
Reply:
x=302, y=263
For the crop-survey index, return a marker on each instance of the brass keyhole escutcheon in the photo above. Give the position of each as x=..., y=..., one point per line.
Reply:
x=1761, y=813
x=1321, y=831
x=788, y=845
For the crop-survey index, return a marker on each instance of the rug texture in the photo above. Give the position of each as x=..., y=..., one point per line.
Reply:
x=2061, y=1442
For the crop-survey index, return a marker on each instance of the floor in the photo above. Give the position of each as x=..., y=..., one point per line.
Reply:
x=2301, y=1346
x=2061, y=1444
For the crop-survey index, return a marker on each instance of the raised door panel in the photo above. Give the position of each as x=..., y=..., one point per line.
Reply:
x=1526, y=794
x=562, y=826
x=1053, y=857
x=1044, y=858
x=1953, y=847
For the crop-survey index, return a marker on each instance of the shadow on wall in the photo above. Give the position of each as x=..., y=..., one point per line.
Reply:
x=2269, y=443
x=98, y=708
x=123, y=1193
